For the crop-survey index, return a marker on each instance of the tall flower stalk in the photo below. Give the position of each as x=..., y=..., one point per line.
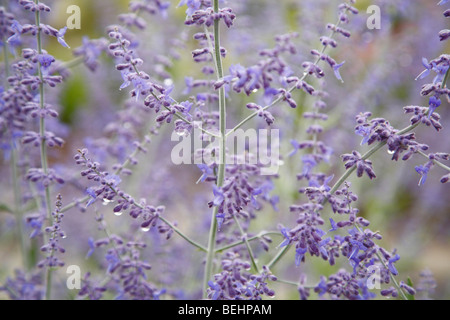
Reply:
x=43, y=146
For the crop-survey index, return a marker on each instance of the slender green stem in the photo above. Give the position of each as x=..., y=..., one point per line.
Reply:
x=366, y=156
x=436, y=162
x=182, y=235
x=74, y=204
x=339, y=183
x=250, y=117
x=222, y=153
x=292, y=283
x=238, y=243
x=118, y=171
x=285, y=249
x=126, y=163
x=278, y=256
x=177, y=114
x=280, y=98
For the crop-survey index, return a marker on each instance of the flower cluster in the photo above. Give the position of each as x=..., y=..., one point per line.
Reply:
x=234, y=283
x=108, y=191
x=127, y=271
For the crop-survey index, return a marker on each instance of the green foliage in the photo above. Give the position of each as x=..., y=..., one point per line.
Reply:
x=74, y=96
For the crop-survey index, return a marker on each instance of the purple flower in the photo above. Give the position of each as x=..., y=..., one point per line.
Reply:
x=113, y=261
x=112, y=180
x=187, y=106
x=215, y=289
x=336, y=71
x=423, y=171
x=219, y=196
x=334, y=226
x=220, y=220
x=287, y=240
x=189, y=85
x=299, y=255
x=207, y=171
x=362, y=166
x=92, y=194
x=442, y=2
x=427, y=71
x=35, y=222
x=434, y=103
x=309, y=162
x=296, y=146
x=45, y=60
x=321, y=287
x=91, y=243
x=391, y=266
x=91, y=50
x=322, y=247
x=357, y=246
x=325, y=187
x=364, y=132
x=15, y=40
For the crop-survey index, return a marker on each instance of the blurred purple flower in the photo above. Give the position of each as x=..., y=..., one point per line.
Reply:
x=334, y=226
x=45, y=60
x=60, y=36
x=219, y=196
x=364, y=132
x=15, y=40
x=193, y=5
x=423, y=171
x=207, y=171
